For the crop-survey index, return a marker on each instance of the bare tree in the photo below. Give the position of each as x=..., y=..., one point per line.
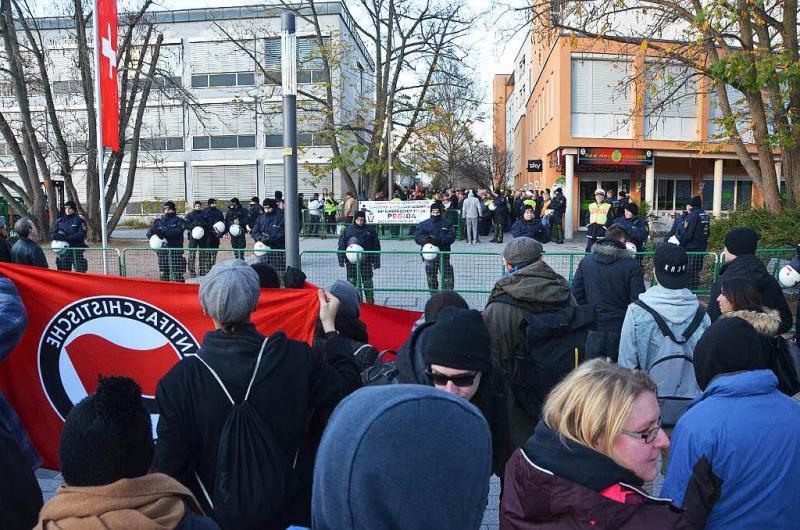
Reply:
x=484, y=166
x=743, y=51
x=53, y=141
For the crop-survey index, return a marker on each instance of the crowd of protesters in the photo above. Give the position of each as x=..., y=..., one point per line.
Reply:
x=597, y=402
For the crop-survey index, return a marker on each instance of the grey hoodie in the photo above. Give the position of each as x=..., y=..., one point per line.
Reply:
x=641, y=337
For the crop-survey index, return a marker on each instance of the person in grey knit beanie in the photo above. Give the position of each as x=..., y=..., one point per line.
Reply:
x=229, y=292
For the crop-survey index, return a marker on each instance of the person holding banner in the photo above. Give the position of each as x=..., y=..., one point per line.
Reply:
x=71, y=228
x=358, y=264
x=170, y=227
x=437, y=231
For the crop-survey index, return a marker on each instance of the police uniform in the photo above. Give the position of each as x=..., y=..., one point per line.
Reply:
x=329, y=210
x=170, y=226
x=364, y=267
x=559, y=206
x=194, y=219
x=237, y=215
x=694, y=238
x=599, y=215
x=438, y=231
x=72, y=229
x=499, y=218
x=269, y=229
x=255, y=211
x=213, y=216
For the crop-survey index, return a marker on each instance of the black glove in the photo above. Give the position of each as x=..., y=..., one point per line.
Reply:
x=160, y=233
x=294, y=279
x=60, y=235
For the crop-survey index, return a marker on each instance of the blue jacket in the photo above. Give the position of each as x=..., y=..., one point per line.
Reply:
x=169, y=227
x=269, y=229
x=255, y=210
x=213, y=216
x=532, y=229
x=696, y=228
x=636, y=229
x=739, y=440
x=438, y=231
x=70, y=228
x=243, y=216
x=366, y=237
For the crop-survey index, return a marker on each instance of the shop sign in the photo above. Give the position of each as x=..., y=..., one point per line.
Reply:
x=615, y=156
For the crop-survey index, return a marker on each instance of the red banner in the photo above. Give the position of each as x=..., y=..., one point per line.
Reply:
x=81, y=326
x=107, y=49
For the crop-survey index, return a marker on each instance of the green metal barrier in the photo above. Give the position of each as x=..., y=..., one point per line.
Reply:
x=181, y=264
x=84, y=259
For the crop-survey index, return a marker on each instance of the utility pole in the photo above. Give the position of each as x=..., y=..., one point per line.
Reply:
x=289, y=78
x=390, y=186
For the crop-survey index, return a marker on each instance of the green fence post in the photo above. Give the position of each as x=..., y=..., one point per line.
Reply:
x=441, y=270
x=359, y=282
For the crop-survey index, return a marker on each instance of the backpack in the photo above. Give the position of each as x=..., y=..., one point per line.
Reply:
x=251, y=482
x=673, y=367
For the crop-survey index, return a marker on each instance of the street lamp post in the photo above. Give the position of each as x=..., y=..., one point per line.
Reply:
x=289, y=80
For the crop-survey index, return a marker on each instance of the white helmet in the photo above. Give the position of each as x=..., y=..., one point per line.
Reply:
x=631, y=248
x=259, y=249
x=492, y=206
x=429, y=252
x=59, y=247
x=600, y=191
x=219, y=226
x=198, y=232
x=674, y=240
x=156, y=242
x=789, y=276
x=354, y=252
x=235, y=230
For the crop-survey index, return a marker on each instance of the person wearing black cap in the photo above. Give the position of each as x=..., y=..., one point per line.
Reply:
x=694, y=238
x=361, y=269
x=194, y=219
x=254, y=210
x=559, y=206
x=439, y=232
x=634, y=226
x=269, y=229
x=105, y=455
x=170, y=227
x=735, y=450
x=236, y=215
x=71, y=228
x=528, y=226
x=741, y=262
x=213, y=216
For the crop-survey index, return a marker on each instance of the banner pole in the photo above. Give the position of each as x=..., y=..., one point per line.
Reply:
x=99, y=146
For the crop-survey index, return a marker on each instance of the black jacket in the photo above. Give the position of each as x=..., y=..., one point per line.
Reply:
x=213, y=216
x=170, y=227
x=636, y=229
x=70, y=228
x=501, y=207
x=5, y=251
x=609, y=279
x=26, y=252
x=696, y=229
x=195, y=219
x=292, y=381
x=436, y=230
x=242, y=215
x=269, y=229
x=20, y=496
x=364, y=236
x=255, y=210
x=749, y=266
x=533, y=229
x=559, y=206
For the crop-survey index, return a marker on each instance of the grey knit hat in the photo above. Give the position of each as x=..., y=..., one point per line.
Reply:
x=522, y=251
x=229, y=292
x=349, y=306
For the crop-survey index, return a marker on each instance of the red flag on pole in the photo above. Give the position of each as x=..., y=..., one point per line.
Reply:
x=107, y=49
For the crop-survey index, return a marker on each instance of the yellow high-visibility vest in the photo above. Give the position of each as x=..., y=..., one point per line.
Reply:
x=598, y=213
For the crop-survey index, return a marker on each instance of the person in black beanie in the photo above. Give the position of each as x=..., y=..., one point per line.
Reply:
x=105, y=454
x=741, y=262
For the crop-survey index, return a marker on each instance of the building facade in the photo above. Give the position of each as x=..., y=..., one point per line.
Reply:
x=596, y=121
x=223, y=139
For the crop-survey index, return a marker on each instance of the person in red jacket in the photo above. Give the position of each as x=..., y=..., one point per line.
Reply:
x=586, y=463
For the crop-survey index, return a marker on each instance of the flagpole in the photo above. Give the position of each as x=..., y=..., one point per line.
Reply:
x=99, y=147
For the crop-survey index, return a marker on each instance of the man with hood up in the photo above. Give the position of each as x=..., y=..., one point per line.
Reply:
x=437, y=231
x=409, y=457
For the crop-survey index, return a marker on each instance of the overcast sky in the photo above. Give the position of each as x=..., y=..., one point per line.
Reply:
x=492, y=54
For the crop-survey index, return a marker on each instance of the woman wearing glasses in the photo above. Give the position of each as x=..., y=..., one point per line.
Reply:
x=586, y=463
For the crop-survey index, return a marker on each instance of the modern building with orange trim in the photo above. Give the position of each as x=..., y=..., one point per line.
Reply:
x=573, y=104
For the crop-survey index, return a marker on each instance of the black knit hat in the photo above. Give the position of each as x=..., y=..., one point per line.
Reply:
x=270, y=203
x=211, y=201
x=696, y=202
x=107, y=436
x=360, y=214
x=633, y=208
x=198, y=202
x=671, y=266
x=267, y=277
x=70, y=204
x=436, y=205
x=741, y=241
x=457, y=339
x=730, y=345
x=169, y=205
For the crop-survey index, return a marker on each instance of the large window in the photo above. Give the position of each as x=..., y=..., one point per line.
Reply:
x=601, y=98
x=672, y=194
x=310, y=68
x=223, y=80
x=670, y=103
x=735, y=194
x=170, y=143
x=226, y=141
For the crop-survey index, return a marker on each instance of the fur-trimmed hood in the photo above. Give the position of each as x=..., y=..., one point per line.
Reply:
x=607, y=250
x=766, y=322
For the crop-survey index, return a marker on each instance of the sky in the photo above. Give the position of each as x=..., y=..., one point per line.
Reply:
x=492, y=52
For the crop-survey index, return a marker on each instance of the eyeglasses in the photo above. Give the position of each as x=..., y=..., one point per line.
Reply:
x=461, y=381
x=649, y=436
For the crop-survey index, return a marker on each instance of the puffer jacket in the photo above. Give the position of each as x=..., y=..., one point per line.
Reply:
x=641, y=339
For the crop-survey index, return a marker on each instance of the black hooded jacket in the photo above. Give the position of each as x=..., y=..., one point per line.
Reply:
x=749, y=266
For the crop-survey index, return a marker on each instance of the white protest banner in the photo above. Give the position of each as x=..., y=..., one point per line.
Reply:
x=404, y=212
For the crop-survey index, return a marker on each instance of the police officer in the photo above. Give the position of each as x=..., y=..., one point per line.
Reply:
x=71, y=228
x=236, y=215
x=269, y=229
x=329, y=210
x=528, y=225
x=635, y=226
x=694, y=237
x=618, y=206
x=196, y=218
x=170, y=226
x=255, y=210
x=559, y=206
x=213, y=216
x=599, y=217
x=437, y=231
x=677, y=227
x=499, y=216
x=360, y=234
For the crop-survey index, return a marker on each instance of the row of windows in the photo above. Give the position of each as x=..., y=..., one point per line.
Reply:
x=220, y=80
x=674, y=194
x=249, y=141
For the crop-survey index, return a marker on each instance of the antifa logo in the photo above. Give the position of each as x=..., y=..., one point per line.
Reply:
x=108, y=335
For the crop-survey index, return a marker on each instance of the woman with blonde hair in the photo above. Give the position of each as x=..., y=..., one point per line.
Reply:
x=598, y=442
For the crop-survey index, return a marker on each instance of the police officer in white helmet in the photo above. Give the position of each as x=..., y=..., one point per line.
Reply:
x=358, y=234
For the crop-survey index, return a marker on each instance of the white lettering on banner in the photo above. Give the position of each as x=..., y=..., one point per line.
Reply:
x=388, y=212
